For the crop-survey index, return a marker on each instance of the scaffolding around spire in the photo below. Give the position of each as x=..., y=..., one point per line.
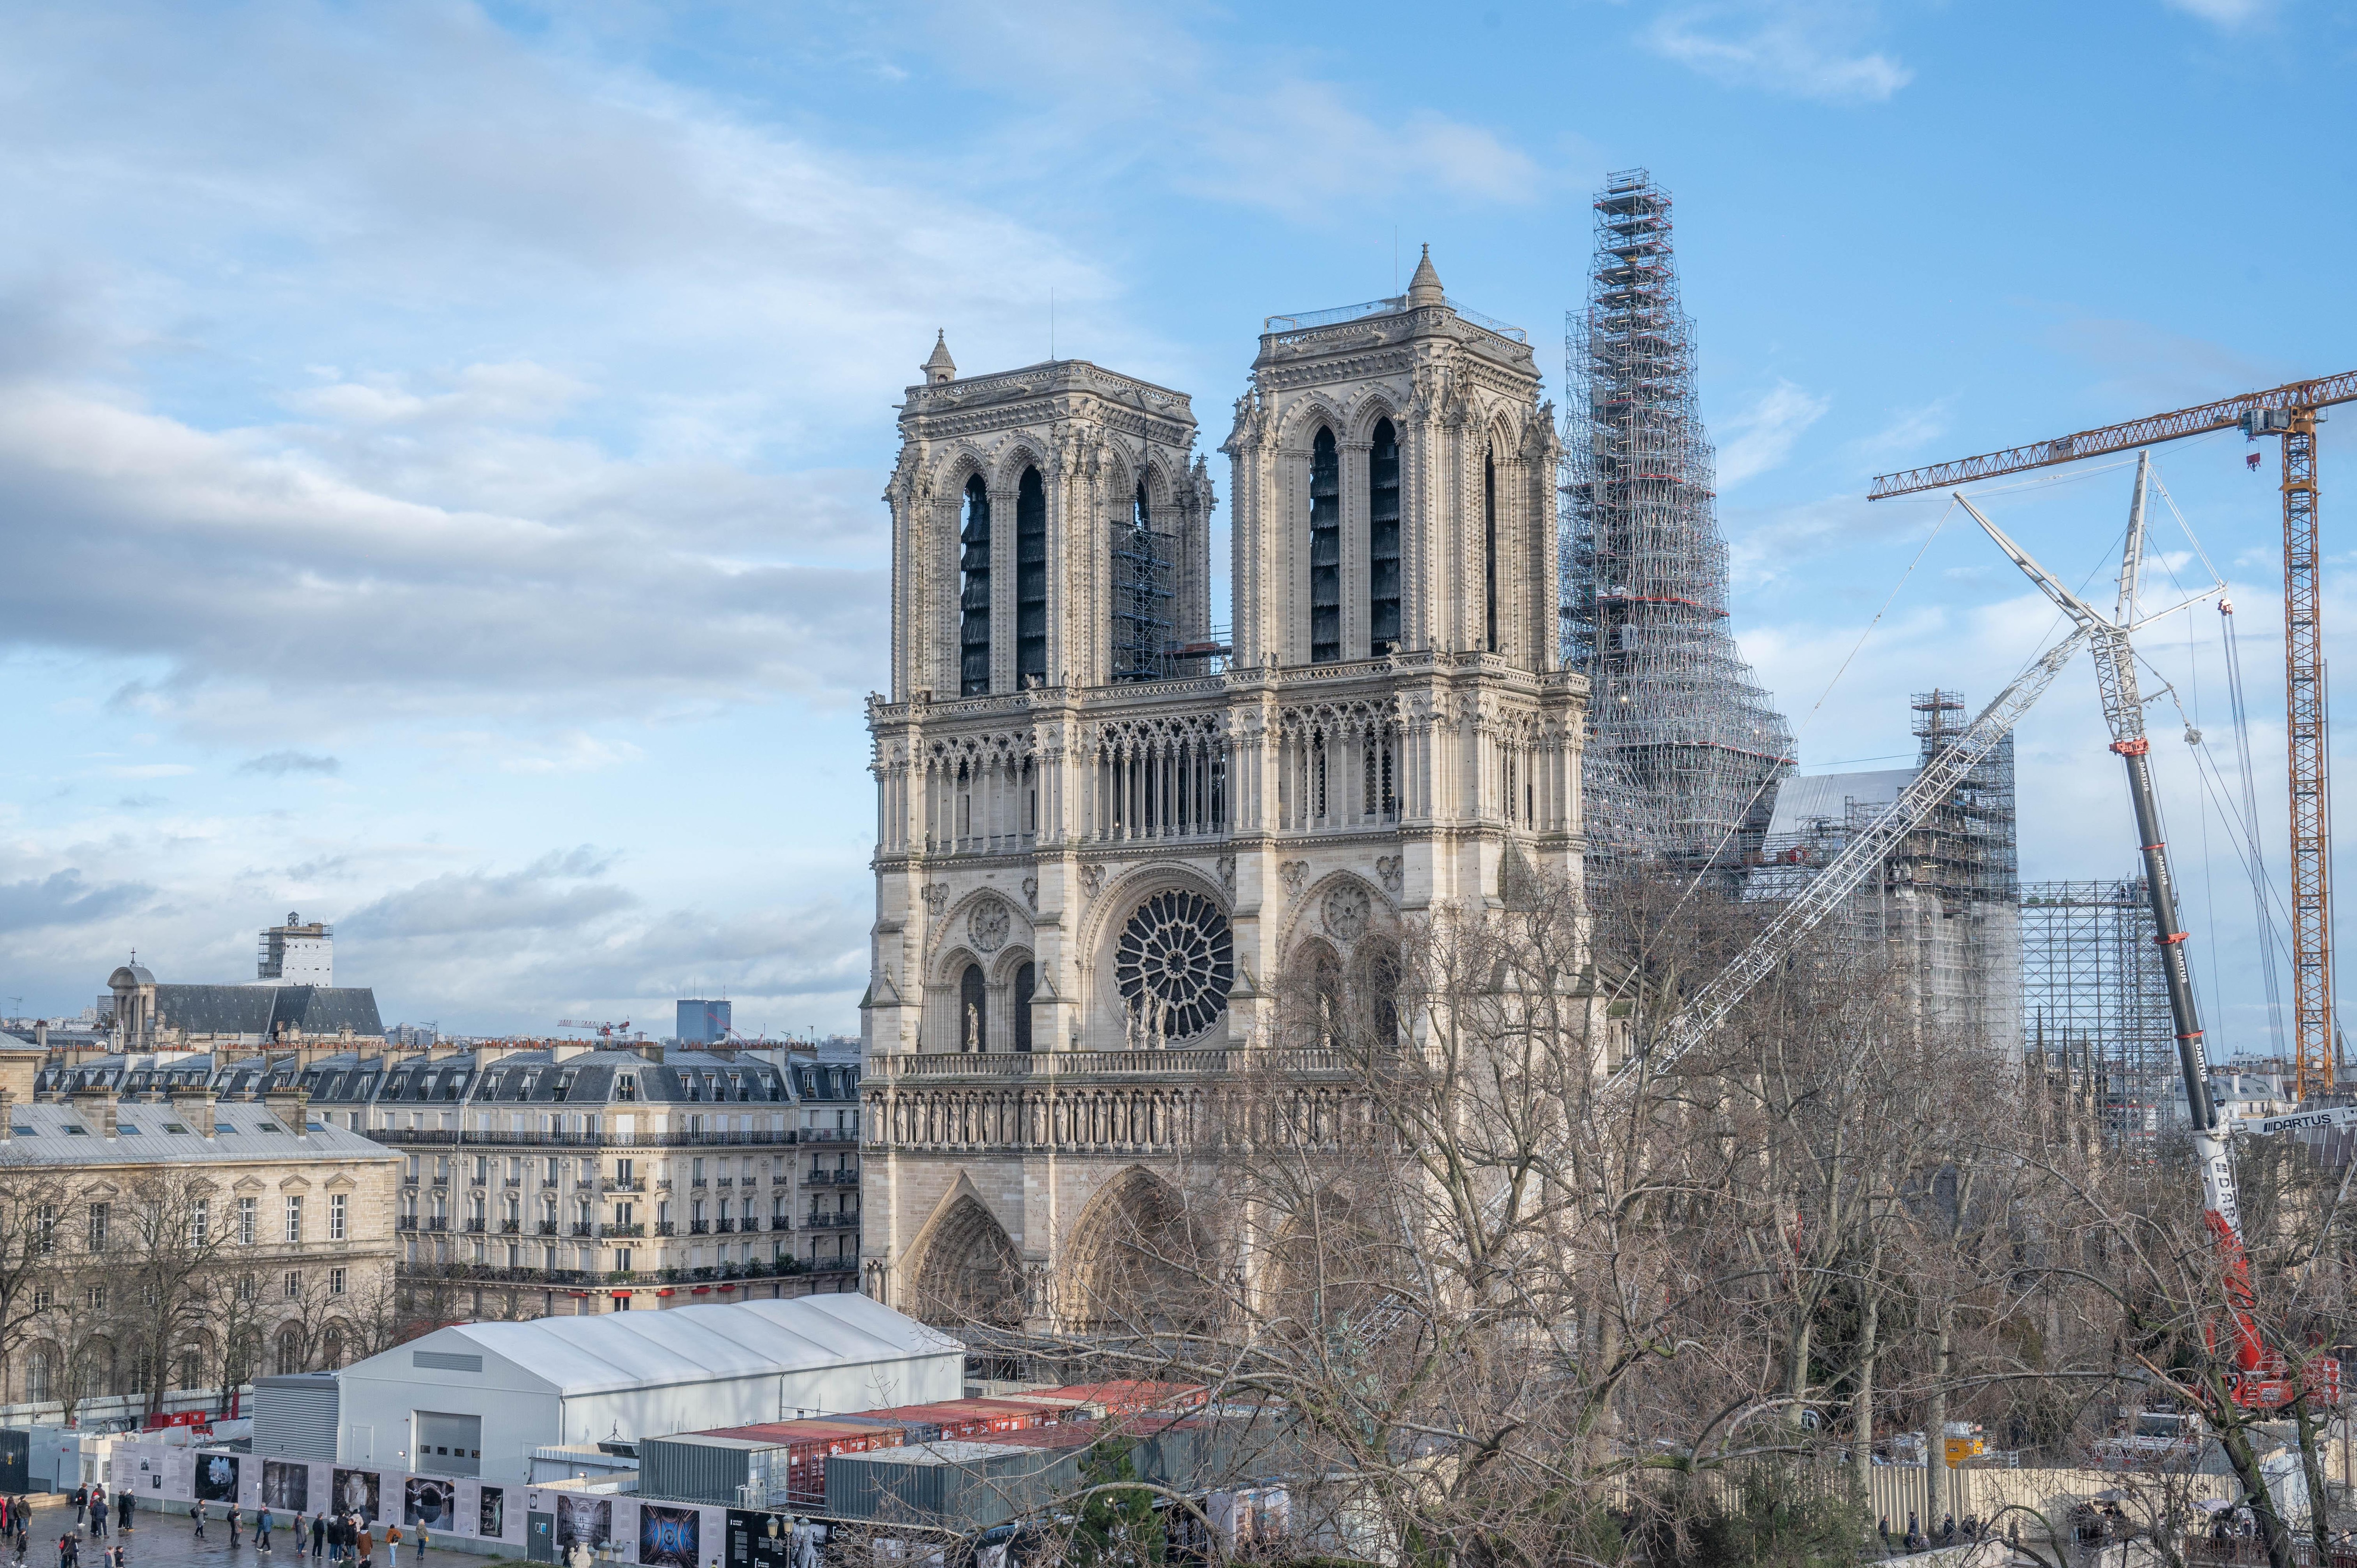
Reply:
x=1685, y=746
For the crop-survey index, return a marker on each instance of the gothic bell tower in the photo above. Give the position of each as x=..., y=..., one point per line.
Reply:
x=1106, y=835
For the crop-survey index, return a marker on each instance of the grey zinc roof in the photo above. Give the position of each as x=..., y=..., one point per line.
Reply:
x=261, y=1009
x=614, y=1352
x=40, y=1136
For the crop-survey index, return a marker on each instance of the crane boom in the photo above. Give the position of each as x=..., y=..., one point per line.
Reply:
x=2224, y=414
x=1858, y=859
x=2291, y=411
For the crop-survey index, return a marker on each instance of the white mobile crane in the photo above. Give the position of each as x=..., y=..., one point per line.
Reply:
x=2260, y=1378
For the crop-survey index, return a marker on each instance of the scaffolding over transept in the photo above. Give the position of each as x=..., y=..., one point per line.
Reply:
x=1686, y=745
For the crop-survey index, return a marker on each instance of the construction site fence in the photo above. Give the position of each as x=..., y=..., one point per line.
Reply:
x=1895, y=1492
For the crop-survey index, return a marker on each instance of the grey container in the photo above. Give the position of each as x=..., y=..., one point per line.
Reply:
x=953, y=1485
x=694, y=1468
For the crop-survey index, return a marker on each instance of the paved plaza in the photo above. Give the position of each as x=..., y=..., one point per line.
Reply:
x=165, y=1541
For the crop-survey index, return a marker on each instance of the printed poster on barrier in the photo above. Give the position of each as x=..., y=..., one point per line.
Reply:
x=286, y=1486
x=759, y=1541
x=491, y=1513
x=427, y=1502
x=216, y=1479
x=355, y=1492
x=667, y=1537
x=584, y=1521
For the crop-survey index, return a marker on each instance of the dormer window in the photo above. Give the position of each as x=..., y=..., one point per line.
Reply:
x=626, y=1085
x=564, y=1086
x=452, y=1085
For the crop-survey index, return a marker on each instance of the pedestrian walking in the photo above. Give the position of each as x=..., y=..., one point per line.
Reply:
x=318, y=1535
x=368, y=1547
x=421, y=1546
x=234, y=1520
x=123, y=1507
x=393, y=1545
x=197, y=1512
x=262, y=1528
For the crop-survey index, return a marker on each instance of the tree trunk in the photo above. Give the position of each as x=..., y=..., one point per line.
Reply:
x=1936, y=1422
x=2311, y=1464
x=1862, y=1446
x=2236, y=1441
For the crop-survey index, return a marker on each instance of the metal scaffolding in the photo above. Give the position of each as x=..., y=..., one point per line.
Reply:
x=1145, y=588
x=2096, y=1003
x=1944, y=913
x=1686, y=745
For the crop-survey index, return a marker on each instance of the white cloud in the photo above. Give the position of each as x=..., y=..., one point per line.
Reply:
x=1126, y=81
x=1801, y=48
x=2229, y=13
x=1762, y=436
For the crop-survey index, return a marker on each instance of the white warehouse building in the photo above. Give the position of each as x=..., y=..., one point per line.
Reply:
x=475, y=1399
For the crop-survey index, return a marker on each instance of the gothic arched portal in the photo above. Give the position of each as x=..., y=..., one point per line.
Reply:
x=1136, y=1262
x=970, y=1272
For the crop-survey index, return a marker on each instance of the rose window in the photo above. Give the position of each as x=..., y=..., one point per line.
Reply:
x=1174, y=965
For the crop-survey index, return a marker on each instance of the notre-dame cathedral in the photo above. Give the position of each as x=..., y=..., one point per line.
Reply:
x=1107, y=828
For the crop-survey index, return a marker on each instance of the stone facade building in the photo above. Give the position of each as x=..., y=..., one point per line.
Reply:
x=572, y=1178
x=1107, y=830
x=168, y=1205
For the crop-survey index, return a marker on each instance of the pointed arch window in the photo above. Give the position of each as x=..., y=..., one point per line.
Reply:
x=1027, y=984
x=1032, y=580
x=1325, y=551
x=973, y=1013
x=1382, y=540
x=1490, y=551
x=1144, y=578
x=973, y=592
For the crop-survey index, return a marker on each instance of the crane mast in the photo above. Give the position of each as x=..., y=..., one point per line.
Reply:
x=2291, y=411
x=2259, y=1376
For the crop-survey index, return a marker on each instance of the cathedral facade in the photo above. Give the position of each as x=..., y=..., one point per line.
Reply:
x=1108, y=829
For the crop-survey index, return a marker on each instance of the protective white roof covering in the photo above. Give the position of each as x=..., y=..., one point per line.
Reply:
x=618, y=1351
x=1808, y=795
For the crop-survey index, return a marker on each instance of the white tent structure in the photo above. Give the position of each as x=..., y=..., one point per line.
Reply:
x=475, y=1399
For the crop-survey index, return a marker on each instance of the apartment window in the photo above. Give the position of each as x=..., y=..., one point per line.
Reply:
x=622, y=1261
x=294, y=1216
x=45, y=1229
x=625, y=1170
x=247, y=1221
x=335, y=1281
x=482, y=1170
x=44, y=1298
x=624, y=1213
x=201, y=1222
x=626, y=1085
x=294, y=1283
x=245, y=1288
x=413, y=1167
x=699, y=1170
x=98, y=1227
x=96, y=1297
x=336, y=1203
x=442, y=1168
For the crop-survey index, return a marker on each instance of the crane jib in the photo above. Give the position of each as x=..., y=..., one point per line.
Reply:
x=2223, y=415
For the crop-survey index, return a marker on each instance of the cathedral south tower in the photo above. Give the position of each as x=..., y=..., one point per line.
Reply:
x=1108, y=829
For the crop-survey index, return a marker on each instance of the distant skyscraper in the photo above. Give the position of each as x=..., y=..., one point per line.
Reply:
x=702, y=1021
x=1685, y=743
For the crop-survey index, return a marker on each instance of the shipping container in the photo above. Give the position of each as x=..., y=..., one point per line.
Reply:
x=783, y=1462
x=961, y=1486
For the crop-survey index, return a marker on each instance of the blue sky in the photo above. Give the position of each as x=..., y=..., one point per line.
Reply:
x=439, y=445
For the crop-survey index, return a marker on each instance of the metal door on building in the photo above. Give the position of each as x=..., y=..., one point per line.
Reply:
x=539, y=1536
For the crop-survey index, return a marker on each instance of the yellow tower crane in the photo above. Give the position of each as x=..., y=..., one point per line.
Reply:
x=2289, y=412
